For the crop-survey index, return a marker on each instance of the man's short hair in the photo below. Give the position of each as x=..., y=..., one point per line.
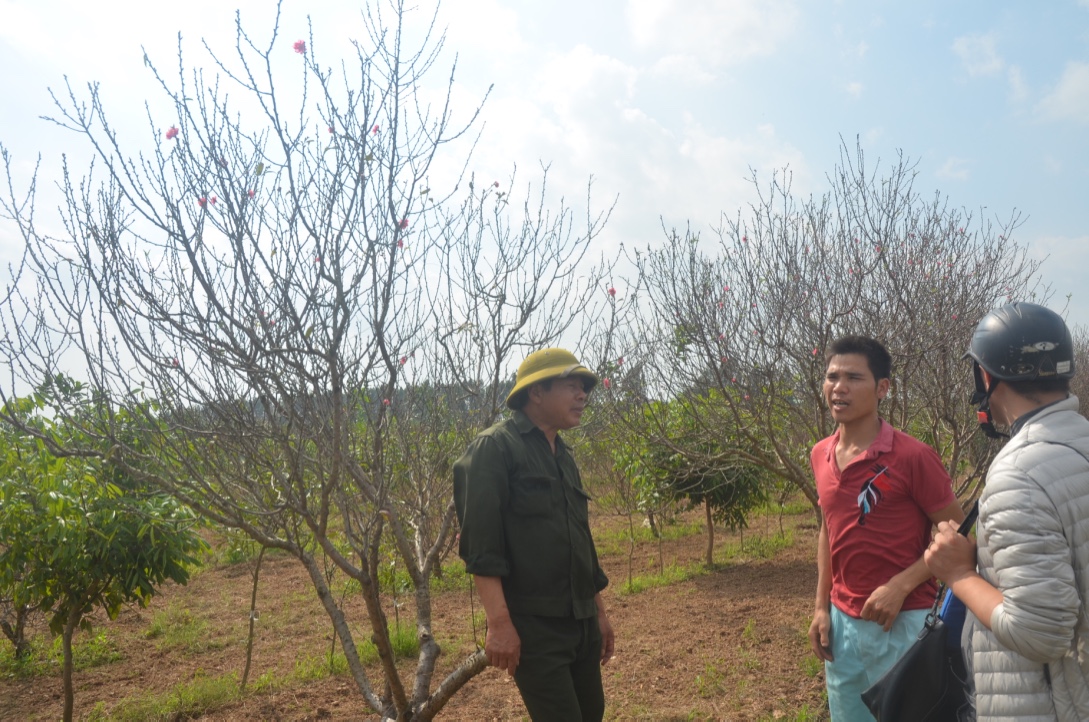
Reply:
x=518, y=401
x=877, y=356
x=1028, y=389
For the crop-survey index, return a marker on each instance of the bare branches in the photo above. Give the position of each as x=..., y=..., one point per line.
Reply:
x=307, y=331
x=748, y=317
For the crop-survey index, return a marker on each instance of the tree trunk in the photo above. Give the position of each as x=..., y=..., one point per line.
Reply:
x=473, y=665
x=17, y=632
x=253, y=619
x=66, y=644
x=710, y=533
x=347, y=642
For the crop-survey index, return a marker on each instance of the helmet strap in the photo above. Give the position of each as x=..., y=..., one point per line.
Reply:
x=986, y=421
x=982, y=396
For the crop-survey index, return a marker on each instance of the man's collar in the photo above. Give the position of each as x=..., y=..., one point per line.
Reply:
x=522, y=422
x=1023, y=419
x=525, y=426
x=881, y=443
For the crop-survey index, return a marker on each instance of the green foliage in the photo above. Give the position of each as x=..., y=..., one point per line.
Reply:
x=45, y=658
x=78, y=531
x=616, y=541
x=672, y=574
x=81, y=531
x=178, y=628
x=711, y=682
x=680, y=459
x=311, y=668
x=189, y=700
x=757, y=547
x=238, y=548
x=812, y=666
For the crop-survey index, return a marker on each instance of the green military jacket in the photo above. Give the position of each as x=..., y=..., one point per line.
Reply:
x=523, y=516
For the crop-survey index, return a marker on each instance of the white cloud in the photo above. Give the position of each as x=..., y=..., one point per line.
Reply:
x=1064, y=258
x=872, y=136
x=718, y=32
x=1018, y=87
x=978, y=54
x=956, y=169
x=682, y=69
x=855, y=89
x=578, y=112
x=467, y=21
x=1069, y=99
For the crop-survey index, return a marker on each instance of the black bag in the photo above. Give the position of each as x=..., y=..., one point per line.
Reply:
x=930, y=682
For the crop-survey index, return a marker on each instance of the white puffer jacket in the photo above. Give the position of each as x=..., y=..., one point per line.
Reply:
x=1033, y=540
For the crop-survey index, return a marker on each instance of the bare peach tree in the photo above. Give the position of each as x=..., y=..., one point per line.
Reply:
x=311, y=324
x=1079, y=385
x=744, y=317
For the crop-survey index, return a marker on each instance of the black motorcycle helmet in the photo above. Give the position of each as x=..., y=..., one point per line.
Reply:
x=1018, y=342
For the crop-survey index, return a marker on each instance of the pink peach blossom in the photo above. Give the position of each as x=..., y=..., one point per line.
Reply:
x=403, y=224
x=374, y=130
x=612, y=291
x=202, y=201
x=300, y=47
x=171, y=133
x=385, y=402
x=606, y=383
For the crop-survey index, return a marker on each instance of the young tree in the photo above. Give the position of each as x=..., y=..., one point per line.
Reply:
x=303, y=301
x=77, y=531
x=750, y=315
x=683, y=460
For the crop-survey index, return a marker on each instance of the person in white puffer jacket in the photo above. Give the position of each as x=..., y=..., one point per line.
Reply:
x=1026, y=590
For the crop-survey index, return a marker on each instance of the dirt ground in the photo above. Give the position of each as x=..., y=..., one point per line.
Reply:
x=727, y=645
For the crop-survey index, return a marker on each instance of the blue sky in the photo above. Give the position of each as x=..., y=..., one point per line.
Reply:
x=669, y=103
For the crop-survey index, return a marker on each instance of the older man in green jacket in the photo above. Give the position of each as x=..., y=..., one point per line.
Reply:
x=525, y=538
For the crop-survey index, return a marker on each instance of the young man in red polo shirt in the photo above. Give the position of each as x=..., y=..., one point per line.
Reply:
x=881, y=492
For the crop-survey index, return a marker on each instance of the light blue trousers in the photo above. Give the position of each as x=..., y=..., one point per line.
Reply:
x=864, y=651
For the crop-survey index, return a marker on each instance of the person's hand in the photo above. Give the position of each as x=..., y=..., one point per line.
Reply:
x=883, y=606
x=502, y=646
x=608, y=637
x=820, y=635
x=950, y=556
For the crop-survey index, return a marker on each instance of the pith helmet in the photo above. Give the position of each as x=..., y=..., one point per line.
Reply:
x=1023, y=342
x=549, y=363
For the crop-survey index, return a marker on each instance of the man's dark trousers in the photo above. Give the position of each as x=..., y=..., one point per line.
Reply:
x=559, y=671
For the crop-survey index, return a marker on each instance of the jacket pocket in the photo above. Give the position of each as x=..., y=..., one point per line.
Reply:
x=531, y=495
x=580, y=503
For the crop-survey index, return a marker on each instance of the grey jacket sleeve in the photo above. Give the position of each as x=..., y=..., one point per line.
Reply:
x=1021, y=531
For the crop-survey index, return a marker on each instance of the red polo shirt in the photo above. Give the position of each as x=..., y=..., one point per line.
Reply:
x=876, y=511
